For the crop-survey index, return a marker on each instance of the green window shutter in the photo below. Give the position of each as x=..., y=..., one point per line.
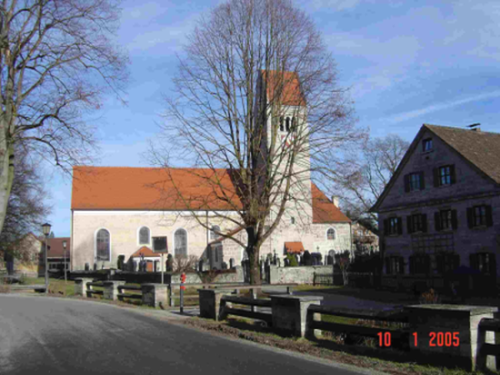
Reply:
x=454, y=220
x=470, y=217
x=452, y=174
x=412, y=264
x=401, y=265
x=422, y=181
x=409, y=224
x=407, y=183
x=388, y=265
x=437, y=224
x=424, y=223
x=436, y=177
x=489, y=216
x=400, y=225
x=473, y=261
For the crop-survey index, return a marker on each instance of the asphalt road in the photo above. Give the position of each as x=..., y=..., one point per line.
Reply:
x=43, y=335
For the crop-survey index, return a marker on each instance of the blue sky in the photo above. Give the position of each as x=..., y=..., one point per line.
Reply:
x=407, y=63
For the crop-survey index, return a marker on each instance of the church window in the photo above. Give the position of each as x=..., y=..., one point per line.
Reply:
x=330, y=234
x=180, y=242
x=144, y=236
x=293, y=220
x=282, y=128
x=288, y=124
x=213, y=232
x=103, y=245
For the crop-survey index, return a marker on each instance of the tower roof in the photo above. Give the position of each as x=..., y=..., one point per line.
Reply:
x=283, y=87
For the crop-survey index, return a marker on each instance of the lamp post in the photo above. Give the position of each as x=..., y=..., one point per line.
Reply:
x=46, y=231
x=65, y=263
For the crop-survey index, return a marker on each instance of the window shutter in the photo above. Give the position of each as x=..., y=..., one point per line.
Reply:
x=452, y=174
x=401, y=265
x=437, y=225
x=473, y=261
x=456, y=261
x=439, y=263
x=422, y=181
x=387, y=266
x=424, y=223
x=427, y=264
x=386, y=227
x=489, y=216
x=470, y=218
x=454, y=221
x=436, y=177
x=412, y=265
x=409, y=224
x=493, y=265
x=400, y=225
x=407, y=183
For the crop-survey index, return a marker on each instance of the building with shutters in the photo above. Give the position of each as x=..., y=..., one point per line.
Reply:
x=441, y=209
x=121, y=215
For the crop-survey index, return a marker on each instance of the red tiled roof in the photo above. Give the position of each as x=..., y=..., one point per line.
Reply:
x=284, y=84
x=294, y=247
x=56, y=249
x=146, y=251
x=124, y=188
x=324, y=211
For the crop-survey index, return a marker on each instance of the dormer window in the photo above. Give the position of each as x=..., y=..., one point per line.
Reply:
x=427, y=145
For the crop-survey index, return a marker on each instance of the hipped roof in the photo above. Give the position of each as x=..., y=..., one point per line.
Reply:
x=283, y=87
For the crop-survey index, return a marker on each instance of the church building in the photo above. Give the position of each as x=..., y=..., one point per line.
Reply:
x=121, y=215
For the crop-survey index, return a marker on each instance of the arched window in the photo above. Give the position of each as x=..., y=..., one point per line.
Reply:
x=103, y=245
x=293, y=220
x=180, y=242
x=282, y=128
x=330, y=234
x=144, y=236
x=288, y=124
x=213, y=232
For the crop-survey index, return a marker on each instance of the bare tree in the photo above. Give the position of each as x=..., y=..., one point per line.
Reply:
x=56, y=59
x=362, y=176
x=27, y=208
x=258, y=108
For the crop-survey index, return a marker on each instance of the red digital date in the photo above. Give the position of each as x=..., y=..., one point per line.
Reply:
x=435, y=339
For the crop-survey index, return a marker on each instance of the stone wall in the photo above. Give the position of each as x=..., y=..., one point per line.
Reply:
x=298, y=275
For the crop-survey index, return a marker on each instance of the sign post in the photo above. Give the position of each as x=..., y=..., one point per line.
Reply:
x=181, y=294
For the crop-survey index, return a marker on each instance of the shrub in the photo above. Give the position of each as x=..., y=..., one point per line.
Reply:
x=292, y=261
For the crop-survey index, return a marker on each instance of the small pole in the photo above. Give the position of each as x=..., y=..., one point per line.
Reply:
x=181, y=294
x=46, y=266
x=162, y=268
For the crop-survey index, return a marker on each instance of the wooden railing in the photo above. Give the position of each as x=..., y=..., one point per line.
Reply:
x=394, y=316
x=121, y=288
x=226, y=309
x=90, y=291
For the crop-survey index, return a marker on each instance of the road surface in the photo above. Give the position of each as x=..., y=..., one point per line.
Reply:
x=58, y=336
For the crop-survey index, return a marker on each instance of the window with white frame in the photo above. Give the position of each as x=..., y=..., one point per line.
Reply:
x=144, y=236
x=180, y=242
x=330, y=234
x=103, y=245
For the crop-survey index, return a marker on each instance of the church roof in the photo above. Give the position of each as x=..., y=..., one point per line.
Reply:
x=125, y=188
x=171, y=189
x=284, y=84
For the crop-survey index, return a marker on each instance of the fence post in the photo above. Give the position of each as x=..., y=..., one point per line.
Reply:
x=171, y=301
x=154, y=295
x=81, y=286
x=111, y=289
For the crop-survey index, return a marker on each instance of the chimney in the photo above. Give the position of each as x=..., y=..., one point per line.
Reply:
x=335, y=200
x=476, y=129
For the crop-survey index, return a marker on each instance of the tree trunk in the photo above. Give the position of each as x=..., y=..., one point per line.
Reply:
x=6, y=173
x=253, y=251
